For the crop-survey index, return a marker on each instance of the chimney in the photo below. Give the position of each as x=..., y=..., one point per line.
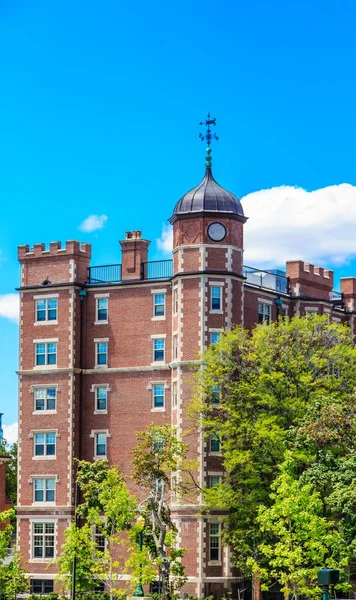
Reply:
x=134, y=253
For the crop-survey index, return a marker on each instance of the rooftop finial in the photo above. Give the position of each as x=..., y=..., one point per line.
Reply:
x=208, y=137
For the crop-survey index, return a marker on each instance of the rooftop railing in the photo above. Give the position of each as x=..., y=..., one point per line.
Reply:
x=105, y=274
x=157, y=269
x=163, y=269
x=270, y=280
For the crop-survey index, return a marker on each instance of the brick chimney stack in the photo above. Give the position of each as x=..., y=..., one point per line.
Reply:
x=348, y=290
x=134, y=253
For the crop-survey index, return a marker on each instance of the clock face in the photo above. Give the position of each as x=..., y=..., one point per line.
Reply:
x=216, y=231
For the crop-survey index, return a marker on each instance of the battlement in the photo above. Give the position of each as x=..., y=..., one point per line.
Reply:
x=72, y=247
x=308, y=280
x=46, y=266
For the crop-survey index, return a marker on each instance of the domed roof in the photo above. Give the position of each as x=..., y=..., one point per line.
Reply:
x=208, y=197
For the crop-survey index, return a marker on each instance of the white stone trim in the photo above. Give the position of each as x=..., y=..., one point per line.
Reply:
x=265, y=301
x=45, y=296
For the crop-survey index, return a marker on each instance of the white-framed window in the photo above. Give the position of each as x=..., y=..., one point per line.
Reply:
x=215, y=337
x=101, y=398
x=101, y=309
x=214, y=444
x=158, y=395
x=44, y=489
x=216, y=395
x=99, y=538
x=159, y=305
x=45, y=399
x=44, y=443
x=175, y=393
x=214, y=480
x=45, y=354
x=43, y=538
x=100, y=440
x=264, y=313
x=101, y=353
x=41, y=586
x=175, y=300
x=216, y=298
x=214, y=542
x=158, y=349
x=175, y=347
x=46, y=309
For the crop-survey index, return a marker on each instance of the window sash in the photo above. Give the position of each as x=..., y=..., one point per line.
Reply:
x=158, y=396
x=44, y=490
x=45, y=444
x=264, y=313
x=101, y=353
x=46, y=309
x=175, y=300
x=45, y=398
x=214, y=443
x=175, y=393
x=215, y=298
x=41, y=586
x=216, y=394
x=43, y=540
x=215, y=338
x=101, y=394
x=214, y=541
x=214, y=480
x=101, y=309
x=159, y=304
x=100, y=444
x=46, y=353
x=158, y=350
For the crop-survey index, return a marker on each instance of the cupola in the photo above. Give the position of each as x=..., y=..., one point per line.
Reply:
x=208, y=197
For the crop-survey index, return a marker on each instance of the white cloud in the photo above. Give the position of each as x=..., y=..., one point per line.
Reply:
x=288, y=223
x=10, y=432
x=93, y=222
x=165, y=242
x=9, y=307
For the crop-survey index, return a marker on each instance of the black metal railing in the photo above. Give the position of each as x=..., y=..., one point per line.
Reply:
x=157, y=269
x=271, y=280
x=105, y=274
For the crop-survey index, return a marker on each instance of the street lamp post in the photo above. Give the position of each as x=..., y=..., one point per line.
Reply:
x=326, y=578
x=139, y=593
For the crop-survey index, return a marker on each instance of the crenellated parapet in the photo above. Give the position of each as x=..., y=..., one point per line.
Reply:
x=41, y=265
x=309, y=281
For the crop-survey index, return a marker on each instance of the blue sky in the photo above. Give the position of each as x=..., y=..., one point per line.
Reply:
x=99, y=108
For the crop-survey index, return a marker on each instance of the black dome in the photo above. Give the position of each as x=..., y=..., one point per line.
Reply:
x=208, y=197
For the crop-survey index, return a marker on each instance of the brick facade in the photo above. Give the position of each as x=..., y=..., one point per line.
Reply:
x=132, y=373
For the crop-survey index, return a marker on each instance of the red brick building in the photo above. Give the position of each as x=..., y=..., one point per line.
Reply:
x=107, y=350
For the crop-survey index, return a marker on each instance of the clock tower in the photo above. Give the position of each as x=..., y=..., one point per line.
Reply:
x=207, y=299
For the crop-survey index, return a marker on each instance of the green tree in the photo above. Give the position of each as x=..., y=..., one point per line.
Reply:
x=266, y=380
x=157, y=456
x=109, y=510
x=298, y=539
x=11, y=469
x=324, y=448
x=13, y=579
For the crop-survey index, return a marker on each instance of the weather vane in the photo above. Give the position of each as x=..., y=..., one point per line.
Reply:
x=208, y=137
